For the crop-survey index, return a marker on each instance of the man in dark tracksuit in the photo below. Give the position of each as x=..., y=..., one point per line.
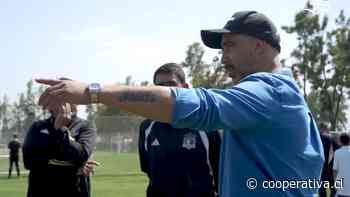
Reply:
x=54, y=157
x=14, y=146
x=329, y=147
x=178, y=162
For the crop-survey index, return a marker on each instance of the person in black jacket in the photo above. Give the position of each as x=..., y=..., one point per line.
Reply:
x=329, y=147
x=179, y=162
x=54, y=150
x=14, y=146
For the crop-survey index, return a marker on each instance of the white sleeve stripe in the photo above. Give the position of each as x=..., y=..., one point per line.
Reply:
x=147, y=132
x=205, y=141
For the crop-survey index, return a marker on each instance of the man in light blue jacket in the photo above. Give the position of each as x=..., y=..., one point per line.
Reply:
x=271, y=145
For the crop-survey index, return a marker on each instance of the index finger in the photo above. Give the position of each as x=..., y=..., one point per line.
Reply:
x=50, y=82
x=65, y=78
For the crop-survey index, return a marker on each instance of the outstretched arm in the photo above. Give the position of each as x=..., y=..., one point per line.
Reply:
x=246, y=105
x=153, y=102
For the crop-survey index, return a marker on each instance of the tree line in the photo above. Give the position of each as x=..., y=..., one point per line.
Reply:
x=320, y=65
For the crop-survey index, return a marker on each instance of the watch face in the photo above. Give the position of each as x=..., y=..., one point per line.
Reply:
x=94, y=87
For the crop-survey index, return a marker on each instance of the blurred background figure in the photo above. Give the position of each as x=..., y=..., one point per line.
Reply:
x=14, y=146
x=341, y=165
x=329, y=147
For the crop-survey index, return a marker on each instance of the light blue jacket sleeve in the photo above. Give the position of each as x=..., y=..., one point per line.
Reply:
x=249, y=104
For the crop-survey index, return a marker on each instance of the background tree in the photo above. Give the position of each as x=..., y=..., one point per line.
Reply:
x=322, y=58
x=202, y=74
x=6, y=117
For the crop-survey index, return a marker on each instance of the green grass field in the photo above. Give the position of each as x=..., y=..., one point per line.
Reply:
x=118, y=175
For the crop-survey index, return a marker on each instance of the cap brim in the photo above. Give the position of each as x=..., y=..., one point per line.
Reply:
x=212, y=37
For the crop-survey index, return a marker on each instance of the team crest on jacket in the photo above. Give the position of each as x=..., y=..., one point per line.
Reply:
x=189, y=141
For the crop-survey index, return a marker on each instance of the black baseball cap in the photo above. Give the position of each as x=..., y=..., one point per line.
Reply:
x=250, y=23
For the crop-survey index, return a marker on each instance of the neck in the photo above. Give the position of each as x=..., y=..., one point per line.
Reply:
x=272, y=61
x=276, y=62
x=268, y=65
x=263, y=65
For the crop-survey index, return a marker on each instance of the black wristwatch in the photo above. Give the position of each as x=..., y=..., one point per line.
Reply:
x=94, y=92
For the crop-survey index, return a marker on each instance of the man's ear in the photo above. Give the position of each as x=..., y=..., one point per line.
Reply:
x=260, y=46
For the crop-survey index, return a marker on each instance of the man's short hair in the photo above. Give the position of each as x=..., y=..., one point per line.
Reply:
x=344, y=138
x=171, y=68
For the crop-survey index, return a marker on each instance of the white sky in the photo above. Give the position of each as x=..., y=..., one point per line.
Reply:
x=106, y=40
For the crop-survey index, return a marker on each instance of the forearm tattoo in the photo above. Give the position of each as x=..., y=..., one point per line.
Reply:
x=138, y=96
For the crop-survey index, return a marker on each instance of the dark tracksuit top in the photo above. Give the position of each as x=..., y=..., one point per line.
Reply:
x=54, y=157
x=176, y=160
x=14, y=147
x=329, y=147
